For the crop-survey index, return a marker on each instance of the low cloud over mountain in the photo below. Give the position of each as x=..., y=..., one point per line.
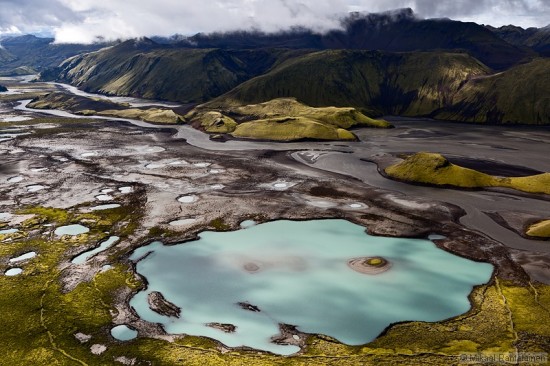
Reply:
x=85, y=20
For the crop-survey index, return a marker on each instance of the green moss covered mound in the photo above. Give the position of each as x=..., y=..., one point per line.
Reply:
x=540, y=229
x=291, y=129
x=282, y=119
x=86, y=106
x=435, y=169
x=153, y=115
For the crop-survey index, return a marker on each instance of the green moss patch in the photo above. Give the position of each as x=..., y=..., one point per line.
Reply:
x=435, y=169
x=283, y=119
x=540, y=229
x=290, y=129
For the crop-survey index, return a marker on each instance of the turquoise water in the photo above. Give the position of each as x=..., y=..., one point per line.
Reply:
x=301, y=278
x=105, y=207
x=71, y=230
x=13, y=272
x=23, y=257
x=102, y=247
x=123, y=333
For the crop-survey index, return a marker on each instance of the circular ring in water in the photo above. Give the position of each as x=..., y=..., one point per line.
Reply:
x=369, y=265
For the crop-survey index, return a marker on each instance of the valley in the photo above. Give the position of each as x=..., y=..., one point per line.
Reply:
x=377, y=193
x=169, y=183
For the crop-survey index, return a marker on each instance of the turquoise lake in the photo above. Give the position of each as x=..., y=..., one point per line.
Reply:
x=300, y=277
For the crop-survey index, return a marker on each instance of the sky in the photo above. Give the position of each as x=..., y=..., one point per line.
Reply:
x=71, y=21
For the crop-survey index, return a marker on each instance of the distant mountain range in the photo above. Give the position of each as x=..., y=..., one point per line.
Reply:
x=388, y=63
x=30, y=53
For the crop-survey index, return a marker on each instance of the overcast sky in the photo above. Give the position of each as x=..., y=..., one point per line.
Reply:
x=84, y=20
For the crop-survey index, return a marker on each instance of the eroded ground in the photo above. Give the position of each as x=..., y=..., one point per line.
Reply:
x=57, y=171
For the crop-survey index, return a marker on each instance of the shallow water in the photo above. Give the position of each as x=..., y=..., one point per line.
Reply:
x=8, y=231
x=35, y=188
x=105, y=207
x=13, y=272
x=72, y=230
x=123, y=333
x=102, y=247
x=23, y=257
x=188, y=199
x=248, y=223
x=126, y=190
x=298, y=275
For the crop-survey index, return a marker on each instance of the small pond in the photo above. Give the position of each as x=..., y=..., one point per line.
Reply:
x=71, y=230
x=297, y=273
x=23, y=257
x=89, y=254
x=123, y=333
x=13, y=272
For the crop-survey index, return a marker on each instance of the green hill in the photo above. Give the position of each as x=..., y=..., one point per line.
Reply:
x=540, y=229
x=283, y=119
x=520, y=95
x=447, y=86
x=94, y=106
x=142, y=68
x=392, y=83
x=435, y=169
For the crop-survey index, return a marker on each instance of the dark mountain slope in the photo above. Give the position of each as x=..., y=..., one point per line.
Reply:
x=39, y=53
x=401, y=84
x=538, y=39
x=519, y=95
x=397, y=31
x=443, y=85
x=143, y=68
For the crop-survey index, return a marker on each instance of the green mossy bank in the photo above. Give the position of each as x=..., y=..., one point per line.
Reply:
x=40, y=317
x=540, y=229
x=102, y=107
x=435, y=169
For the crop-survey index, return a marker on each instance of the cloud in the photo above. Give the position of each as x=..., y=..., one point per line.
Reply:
x=34, y=16
x=84, y=20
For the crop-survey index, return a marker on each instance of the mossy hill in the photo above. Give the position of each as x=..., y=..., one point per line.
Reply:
x=283, y=119
x=540, y=229
x=142, y=68
x=94, y=106
x=520, y=95
x=390, y=63
x=435, y=169
x=446, y=86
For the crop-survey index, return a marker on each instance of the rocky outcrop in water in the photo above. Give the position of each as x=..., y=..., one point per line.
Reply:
x=160, y=305
x=226, y=328
x=249, y=307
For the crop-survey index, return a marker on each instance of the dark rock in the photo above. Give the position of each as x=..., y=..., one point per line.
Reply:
x=249, y=307
x=160, y=305
x=289, y=335
x=227, y=328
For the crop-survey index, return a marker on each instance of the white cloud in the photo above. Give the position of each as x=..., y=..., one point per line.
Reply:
x=84, y=20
